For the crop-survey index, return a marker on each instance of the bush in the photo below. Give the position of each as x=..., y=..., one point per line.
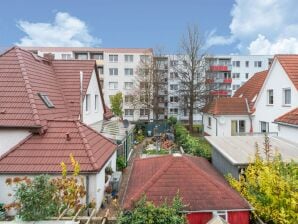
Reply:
x=34, y=198
x=139, y=136
x=190, y=144
x=147, y=212
x=172, y=121
x=121, y=164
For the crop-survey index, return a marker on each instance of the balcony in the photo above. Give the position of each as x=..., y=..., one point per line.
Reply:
x=99, y=62
x=220, y=92
x=227, y=80
x=219, y=68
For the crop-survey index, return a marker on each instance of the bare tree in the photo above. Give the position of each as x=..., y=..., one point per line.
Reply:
x=194, y=88
x=151, y=86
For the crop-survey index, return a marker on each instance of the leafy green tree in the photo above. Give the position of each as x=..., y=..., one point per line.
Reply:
x=146, y=212
x=270, y=186
x=116, y=104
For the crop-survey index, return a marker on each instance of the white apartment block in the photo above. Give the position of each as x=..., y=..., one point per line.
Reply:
x=117, y=68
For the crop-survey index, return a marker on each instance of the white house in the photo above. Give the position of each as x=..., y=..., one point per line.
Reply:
x=288, y=125
x=234, y=116
x=42, y=120
x=279, y=93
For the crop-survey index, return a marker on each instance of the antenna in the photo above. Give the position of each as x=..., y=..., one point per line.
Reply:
x=81, y=95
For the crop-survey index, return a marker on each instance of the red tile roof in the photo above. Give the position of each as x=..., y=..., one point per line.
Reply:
x=227, y=106
x=91, y=49
x=44, y=153
x=199, y=184
x=289, y=118
x=24, y=75
x=290, y=65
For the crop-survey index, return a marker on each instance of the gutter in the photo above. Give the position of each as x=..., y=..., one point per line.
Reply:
x=228, y=210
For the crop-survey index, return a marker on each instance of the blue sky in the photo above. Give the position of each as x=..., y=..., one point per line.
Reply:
x=228, y=26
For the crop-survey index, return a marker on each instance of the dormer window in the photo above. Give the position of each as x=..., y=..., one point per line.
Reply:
x=46, y=100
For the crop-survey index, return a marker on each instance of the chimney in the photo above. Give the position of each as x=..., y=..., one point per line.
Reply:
x=49, y=56
x=68, y=138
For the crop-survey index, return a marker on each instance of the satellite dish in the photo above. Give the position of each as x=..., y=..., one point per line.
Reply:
x=222, y=120
x=125, y=123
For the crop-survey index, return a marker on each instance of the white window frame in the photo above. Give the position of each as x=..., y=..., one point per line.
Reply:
x=113, y=71
x=128, y=58
x=128, y=85
x=115, y=85
x=128, y=71
x=88, y=103
x=268, y=97
x=113, y=57
x=128, y=110
x=96, y=102
x=284, y=103
x=66, y=56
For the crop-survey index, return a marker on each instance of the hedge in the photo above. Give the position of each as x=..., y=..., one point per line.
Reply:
x=192, y=145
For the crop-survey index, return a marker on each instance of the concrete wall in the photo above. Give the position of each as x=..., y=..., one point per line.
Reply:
x=10, y=138
x=288, y=132
x=277, y=80
x=93, y=116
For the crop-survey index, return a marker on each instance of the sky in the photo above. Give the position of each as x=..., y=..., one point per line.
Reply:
x=226, y=26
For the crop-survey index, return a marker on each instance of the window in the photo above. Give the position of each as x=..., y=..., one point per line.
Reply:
x=235, y=87
x=100, y=70
x=173, y=62
x=82, y=56
x=241, y=126
x=246, y=75
x=174, y=87
x=286, y=96
x=270, y=96
x=128, y=58
x=113, y=85
x=88, y=103
x=128, y=99
x=222, y=214
x=144, y=58
x=128, y=85
x=236, y=63
x=144, y=112
x=144, y=85
x=209, y=122
x=246, y=64
x=128, y=112
x=96, y=56
x=113, y=71
x=128, y=71
x=113, y=58
x=174, y=99
x=264, y=126
x=46, y=100
x=144, y=98
x=96, y=102
x=174, y=75
x=66, y=56
x=236, y=75
x=174, y=110
x=258, y=64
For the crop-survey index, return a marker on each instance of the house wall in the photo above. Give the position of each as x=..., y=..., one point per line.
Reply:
x=223, y=165
x=10, y=138
x=93, y=116
x=223, y=124
x=277, y=79
x=288, y=132
x=234, y=217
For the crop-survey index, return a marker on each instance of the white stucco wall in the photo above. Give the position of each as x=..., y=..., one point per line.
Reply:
x=10, y=138
x=93, y=116
x=288, y=132
x=223, y=124
x=277, y=80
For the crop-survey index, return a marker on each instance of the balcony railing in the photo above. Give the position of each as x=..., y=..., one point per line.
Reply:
x=219, y=68
x=228, y=80
x=220, y=92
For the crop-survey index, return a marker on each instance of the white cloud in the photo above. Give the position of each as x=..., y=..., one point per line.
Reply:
x=66, y=30
x=213, y=39
x=281, y=46
x=262, y=27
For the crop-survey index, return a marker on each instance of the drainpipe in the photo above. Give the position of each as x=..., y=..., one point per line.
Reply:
x=81, y=96
x=203, y=125
x=87, y=190
x=249, y=116
x=216, y=125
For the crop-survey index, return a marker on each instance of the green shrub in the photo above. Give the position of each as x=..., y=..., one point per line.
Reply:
x=36, y=199
x=139, y=136
x=121, y=164
x=146, y=212
x=190, y=144
x=172, y=121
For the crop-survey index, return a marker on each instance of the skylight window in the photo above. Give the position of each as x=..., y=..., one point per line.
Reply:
x=46, y=100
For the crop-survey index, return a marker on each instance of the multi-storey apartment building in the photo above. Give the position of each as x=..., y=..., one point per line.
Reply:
x=117, y=68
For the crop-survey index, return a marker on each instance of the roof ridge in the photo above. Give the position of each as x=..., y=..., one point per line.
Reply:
x=229, y=190
x=153, y=179
x=28, y=86
x=86, y=144
x=290, y=76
